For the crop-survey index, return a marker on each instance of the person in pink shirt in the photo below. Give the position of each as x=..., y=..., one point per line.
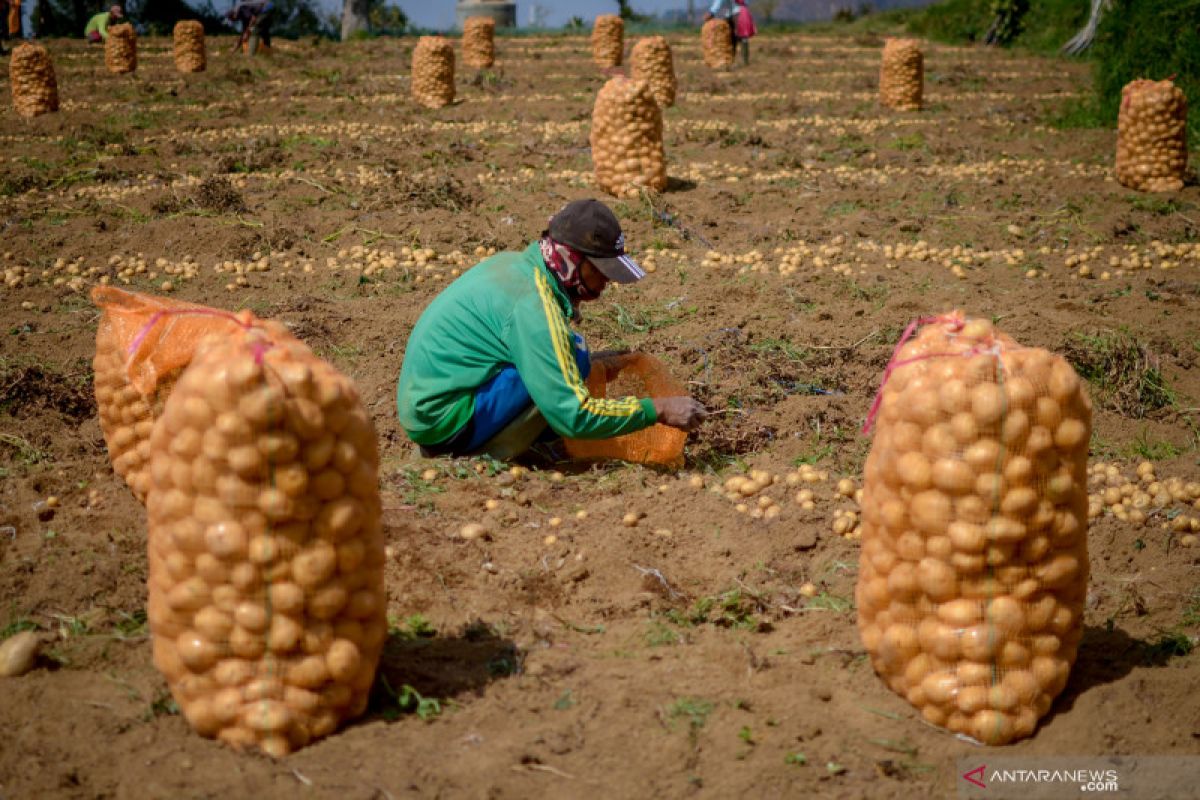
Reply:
x=743, y=30
x=741, y=24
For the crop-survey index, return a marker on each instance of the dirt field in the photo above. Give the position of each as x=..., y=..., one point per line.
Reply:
x=803, y=229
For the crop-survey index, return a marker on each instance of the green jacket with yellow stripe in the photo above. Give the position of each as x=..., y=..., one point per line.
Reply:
x=507, y=310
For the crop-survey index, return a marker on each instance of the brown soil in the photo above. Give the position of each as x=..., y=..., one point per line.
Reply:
x=670, y=659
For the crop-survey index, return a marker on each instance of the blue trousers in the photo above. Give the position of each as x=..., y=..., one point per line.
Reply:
x=498, y=402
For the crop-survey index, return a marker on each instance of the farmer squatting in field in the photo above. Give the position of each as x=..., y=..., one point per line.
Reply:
x=97, y=27
x=492, y=361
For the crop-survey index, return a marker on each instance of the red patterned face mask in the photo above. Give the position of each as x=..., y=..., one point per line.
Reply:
x=567, y=265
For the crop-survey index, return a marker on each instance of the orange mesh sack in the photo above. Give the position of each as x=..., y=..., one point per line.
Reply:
x=608, y=41
x=189, y=52
x=627, y=139
x=637, y=375
x=142, y=344
x=902, y=74
x=433, y=72
x=1152, y=136
x=120, y=49
x=479, y=43
x=716, y=43
x=266, y=551
x=31, y=78
x=650, y=61
x=974, y=564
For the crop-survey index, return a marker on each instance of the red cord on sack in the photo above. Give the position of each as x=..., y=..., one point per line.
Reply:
x=893, y=364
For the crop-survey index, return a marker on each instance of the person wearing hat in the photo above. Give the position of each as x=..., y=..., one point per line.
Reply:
x=97, y=27
x=492, y=361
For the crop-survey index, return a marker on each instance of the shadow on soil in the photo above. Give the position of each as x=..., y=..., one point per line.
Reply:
x=1106, y=656
x=419, y=673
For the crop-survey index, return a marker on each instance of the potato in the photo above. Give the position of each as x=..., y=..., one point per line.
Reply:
x=267, y=606
x=18, y=654
x=31, y=76
x=973, y=567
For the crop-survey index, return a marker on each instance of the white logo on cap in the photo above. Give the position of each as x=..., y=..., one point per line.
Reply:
x=621, y=241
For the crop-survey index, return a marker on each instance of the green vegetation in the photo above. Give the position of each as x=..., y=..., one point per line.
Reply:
x=1149, y=39
x=694, y=710
x=1125, y=376
x=1044, y=28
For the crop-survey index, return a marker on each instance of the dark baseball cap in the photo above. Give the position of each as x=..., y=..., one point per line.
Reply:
x=592, y=229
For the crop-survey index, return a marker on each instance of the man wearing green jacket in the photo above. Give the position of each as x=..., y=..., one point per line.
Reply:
x=496, y=346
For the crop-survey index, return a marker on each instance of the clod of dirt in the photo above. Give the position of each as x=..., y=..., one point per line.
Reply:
x=217, y=194
x=24, y=389
x=424, y=194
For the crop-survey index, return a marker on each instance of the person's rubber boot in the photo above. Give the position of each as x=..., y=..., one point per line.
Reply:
x=746, y=53
x=253, y=46
x=516, y=437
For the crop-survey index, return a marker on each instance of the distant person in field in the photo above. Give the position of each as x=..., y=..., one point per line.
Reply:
x=97, y=27
x=743, y=30
x=255, y=18
x=493, y=361
x=11, y=28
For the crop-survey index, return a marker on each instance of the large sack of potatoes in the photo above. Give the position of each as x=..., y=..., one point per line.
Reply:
x=902, y=75
x=479, y=42
x=143, y=343
x=650, y=61
x=1152, y=136
x=716, y=43
x=433, y=72
x=266, y=594
x=120, y=49
x=189, y=51
x=608, y=41
x=31, y=74
x=974, y=563
x=627, y=139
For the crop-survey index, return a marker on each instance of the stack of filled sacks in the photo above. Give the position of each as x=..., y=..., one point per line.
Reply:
x=627, y=139
x=608, y=41
x=120, y=49
x=716, y=42
x=974, y=565
x=433, y=72
x=189, y=46
x=478, y=42
x=1152, y=136
x=31, y=73
x=651, y=61
x=902, y=74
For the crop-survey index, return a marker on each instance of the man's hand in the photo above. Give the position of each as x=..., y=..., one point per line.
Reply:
x=680, y=412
